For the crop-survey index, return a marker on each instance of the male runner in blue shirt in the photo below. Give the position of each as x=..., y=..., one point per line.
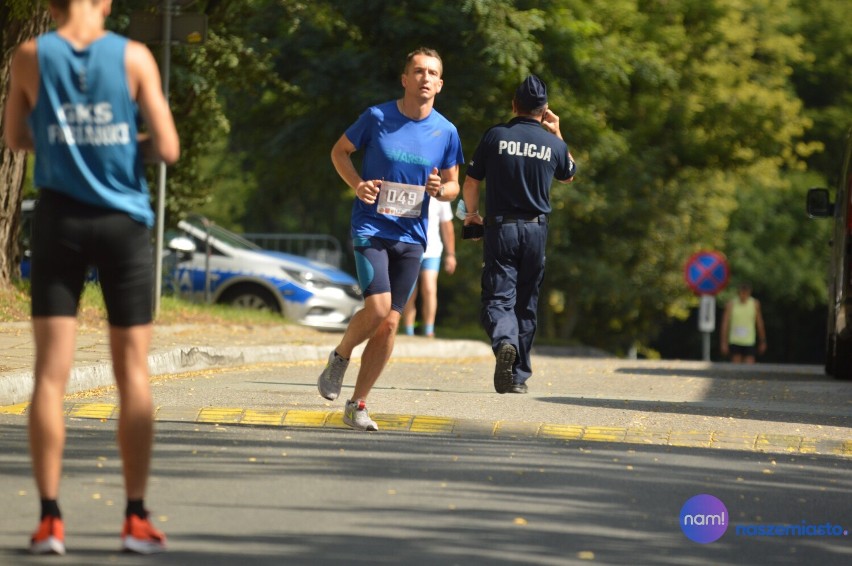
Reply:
x=411, y=154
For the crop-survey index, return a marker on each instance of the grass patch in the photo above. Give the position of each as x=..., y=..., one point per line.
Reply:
x=460, y=332
x=178, y=311
x=15, y=302
x=15, y=307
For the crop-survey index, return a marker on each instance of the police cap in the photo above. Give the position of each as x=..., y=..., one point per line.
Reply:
x=532, y=93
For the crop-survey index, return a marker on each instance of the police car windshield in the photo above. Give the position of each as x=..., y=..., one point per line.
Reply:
x=225, y=236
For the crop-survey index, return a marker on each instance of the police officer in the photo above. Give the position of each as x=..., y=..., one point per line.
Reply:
x=517, y=160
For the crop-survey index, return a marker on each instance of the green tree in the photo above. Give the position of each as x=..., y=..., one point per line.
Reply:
x=689, y=120
x=339, y=57
x=667, y=106
x=822, y=80
x=670, y=110
x=19, y=20
x=199, y=74
x=683, y=117
x=772, y=245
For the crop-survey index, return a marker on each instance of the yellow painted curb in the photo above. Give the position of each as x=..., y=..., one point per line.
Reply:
x=92, y=411
x=767, y=443
x=19, y=409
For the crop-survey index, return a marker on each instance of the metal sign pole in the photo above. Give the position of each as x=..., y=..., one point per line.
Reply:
x=161, y=184
x=706, y=323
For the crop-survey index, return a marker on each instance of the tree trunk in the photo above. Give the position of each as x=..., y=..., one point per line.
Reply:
x=19, y=20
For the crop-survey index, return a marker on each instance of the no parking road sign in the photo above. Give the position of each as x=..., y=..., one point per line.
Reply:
x=707, y=272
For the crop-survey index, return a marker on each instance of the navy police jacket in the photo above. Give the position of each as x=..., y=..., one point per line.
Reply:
x=518, y=161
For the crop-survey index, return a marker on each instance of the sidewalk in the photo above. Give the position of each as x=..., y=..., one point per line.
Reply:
x=182, y=348
x=581, y=396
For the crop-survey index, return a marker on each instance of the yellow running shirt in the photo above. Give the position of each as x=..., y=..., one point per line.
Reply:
x=743, y=318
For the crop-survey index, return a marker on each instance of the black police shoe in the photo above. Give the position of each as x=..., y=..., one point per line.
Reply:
x=506, y=356
x=518, y=388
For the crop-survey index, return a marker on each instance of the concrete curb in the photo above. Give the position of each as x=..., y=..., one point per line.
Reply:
x=471, y=428
x=18, y=387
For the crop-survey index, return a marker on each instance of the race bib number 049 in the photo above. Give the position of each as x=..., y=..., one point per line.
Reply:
x=398, y=199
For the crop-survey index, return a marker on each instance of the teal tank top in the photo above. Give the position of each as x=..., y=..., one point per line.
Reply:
x=84, y=126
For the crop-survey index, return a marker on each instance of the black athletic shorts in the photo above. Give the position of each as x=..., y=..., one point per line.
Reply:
x=744, y=351
x=69, y=237
x=386, y=266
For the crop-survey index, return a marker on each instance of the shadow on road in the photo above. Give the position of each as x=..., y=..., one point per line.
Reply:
x=709, y=408
x=732, y=371
x=254, y=495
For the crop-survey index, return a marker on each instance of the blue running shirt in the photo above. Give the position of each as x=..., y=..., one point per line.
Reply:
x=85, y=126
x=397, y=148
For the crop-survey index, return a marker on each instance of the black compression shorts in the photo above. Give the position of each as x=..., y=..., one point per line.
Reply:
x=68, y=238
x=387, y=266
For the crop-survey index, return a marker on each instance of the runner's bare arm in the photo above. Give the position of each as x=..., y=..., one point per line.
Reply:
x=761, y=328
x=143, y=78
x=23, y=90
x=341, y=158
x=450, y=182
x=726, y=325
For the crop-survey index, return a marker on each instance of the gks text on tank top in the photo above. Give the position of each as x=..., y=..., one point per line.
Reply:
x=88, y=124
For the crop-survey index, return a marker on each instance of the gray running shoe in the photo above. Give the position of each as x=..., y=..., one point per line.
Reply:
x=355, y=415
x=503, y=368
x=331, y=379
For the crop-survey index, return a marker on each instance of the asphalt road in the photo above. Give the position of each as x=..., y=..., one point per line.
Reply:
x=265, y=495
x=233, y=485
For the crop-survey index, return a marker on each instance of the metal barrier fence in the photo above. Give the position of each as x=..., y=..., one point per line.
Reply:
x=319, y=247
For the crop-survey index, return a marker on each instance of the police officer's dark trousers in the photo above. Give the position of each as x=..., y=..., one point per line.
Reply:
x=511, y=279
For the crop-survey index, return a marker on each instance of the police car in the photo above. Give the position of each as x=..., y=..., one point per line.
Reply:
x=209, y=263
x=242, y=274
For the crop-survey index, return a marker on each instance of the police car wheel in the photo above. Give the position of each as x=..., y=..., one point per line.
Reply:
x=251, y=298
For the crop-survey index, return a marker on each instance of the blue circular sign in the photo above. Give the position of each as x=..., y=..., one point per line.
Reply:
x=707, y=272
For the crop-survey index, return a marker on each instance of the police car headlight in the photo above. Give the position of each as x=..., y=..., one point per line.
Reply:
x=306, y=278
x=353, y=291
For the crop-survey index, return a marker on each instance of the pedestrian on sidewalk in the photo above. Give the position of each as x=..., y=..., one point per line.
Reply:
x=75, y=98
x=440, y=240
x=743, y=334
x=518, y=161
x=411, y=155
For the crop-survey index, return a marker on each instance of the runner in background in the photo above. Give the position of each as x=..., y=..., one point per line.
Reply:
x=743, y=334
x=441, y=239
